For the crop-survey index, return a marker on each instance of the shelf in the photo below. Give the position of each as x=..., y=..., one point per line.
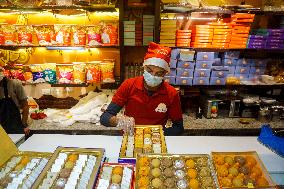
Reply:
x=276, y=86
x=70, y=85
x=56, y=47
x=102, y=8
x=224, y=50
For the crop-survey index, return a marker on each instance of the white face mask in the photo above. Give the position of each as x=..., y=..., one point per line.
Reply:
x=152, y=81
x=1, y=76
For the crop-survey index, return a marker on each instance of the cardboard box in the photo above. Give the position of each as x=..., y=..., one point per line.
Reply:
x=206, y=55
x=185, y=64
x=217, y=81
x=184, y=81
x=181, y=72
x=201, y=81
x=204, y=64
x=202, y=73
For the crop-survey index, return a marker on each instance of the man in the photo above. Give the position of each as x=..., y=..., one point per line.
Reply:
x=12, y=99
x=147, y=99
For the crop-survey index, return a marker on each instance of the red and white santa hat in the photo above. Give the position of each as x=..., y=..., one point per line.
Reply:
x=158, y=55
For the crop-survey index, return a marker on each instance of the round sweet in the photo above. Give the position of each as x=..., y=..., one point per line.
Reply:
x=73, y=157
x=192, y=173
x=201, y=162
x=193, y=184
x=182, y=184
x=219, y=160
x=147, y=136
x=65, y=173
x=61, y=182
x=249, y=180
x=222, y=171
x=237, y=182
x=143, y=182
x=205, y=172
x=180, y=174
x=114, y=186
x=179, y=163
x=69, y=165
x=167, y=162
x=207, y=182
x=240, y=159
x=169, y=183
x=190, y=163
x=251, y=161
x=168, y=172
x=157, y=183
x=156, y=172
x=155, y=162
x=233, y=171
x=147, y=131
x=244, y=170
x=226, y=182
x=117, y=170
x=261, y=182
x=257, y=171
x=144, y=171
x=116, y=179
x=229, y=160
x=144, y=161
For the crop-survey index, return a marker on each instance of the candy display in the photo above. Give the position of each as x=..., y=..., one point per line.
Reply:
x=9, y=33
x=174, y=171
x=25, y=34
x=109, y=34
x=94, y=35
x=79, y=73
x=49, y=72
x=45, y=34
x=37, y=71
x=71, y=168
x=64, y=73
x=107, y=72
x=114, y=175
x=63, y=34
x=241, y=170
x=148, y=139
x=79, y=35
x=17, y=72
x=93, y=72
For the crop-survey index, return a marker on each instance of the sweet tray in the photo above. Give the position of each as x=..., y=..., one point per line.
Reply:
x=241, y=170
x=71, y=167
x=22, y=169
x=146, y=139
x=116, y=175
x=175, y=171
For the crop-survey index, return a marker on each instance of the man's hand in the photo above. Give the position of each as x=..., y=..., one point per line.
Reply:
x=27, y=131
x=126, y=124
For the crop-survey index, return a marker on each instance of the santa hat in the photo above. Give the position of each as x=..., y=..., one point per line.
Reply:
x=158, y=55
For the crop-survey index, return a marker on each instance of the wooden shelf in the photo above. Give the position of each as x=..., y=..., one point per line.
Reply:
x=70, y=85
x=275, y=86
x=56, y=47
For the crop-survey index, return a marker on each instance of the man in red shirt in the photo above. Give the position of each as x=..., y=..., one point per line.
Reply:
x=147, y=99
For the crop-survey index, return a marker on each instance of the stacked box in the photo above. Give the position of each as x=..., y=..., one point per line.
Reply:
x=275, y=39
x=129, y=33
x=148, y=29
x=183, y=38
x=257, y=39
x=138, y=33
x=218, y=75
x=202, y=36
x=222, y=33
x=241, y=23
x=168, y=33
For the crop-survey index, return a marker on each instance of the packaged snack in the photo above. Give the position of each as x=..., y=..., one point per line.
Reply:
x=49, y=72
x=45, y=34
x=109, y=35
x=93, y=70
x=107, y=68
x=65, y=73
x=17, y=72
x=25, y=34
x=28, y=74
x=9, y=33
x=94, y=35
x=63, y=34
x=2, y=39
x=37, y=72
x=79, y=74
x=7, y=73
x=79, y=35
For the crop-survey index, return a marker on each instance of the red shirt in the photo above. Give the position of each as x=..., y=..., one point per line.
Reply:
x=164, y=104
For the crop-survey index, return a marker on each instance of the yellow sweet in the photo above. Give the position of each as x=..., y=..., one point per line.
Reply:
x=143, y=182
x=73, y=157
x=117, y=170
x=157, y=183
x=155, y=162
x=69, y=165
x=147, y=131
x=193, y=184
x=192, y=173
x=147, y=135
x=25, y=160
x=226, y=182
x=144, y=161
x=261, y=182
x=223, y=171
x=144, y=171
x=219, y=160
x=116, y=179
x=190, y=163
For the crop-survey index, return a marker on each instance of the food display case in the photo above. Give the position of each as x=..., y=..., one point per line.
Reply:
x=71, y=167
x=241, y=170
x=146, y=139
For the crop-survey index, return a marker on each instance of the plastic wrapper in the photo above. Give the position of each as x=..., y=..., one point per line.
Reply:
x=93, y=72
x=25, y=34
x=37, y=71
x=45, y=34
x=28, y=77
x=109, y=34
x=79, y=73
x=63, y=34
x=7, y=73
x=49, y=72
x=94, y=35
x=65, y=73
x=9, y=33
x=107, y=69
x=2, y=38
x=17, y=72
x=79, y=35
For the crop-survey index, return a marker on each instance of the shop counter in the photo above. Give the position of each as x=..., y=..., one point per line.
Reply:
x=177, y=144
x=18, y=139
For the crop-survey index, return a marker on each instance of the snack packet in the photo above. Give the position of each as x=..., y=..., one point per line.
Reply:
x=79, y=35
x=62, y=34
x=9, y=32
x=93, y=72
x=37, y=72
x=17, y=72
x=107, y=69
x=79, y=73
x=94, y=35
x=65, y=73
x=25, y=34
x=45, y=34
x=49, y=72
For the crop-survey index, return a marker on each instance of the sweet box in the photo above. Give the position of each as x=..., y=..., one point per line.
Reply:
x=201, y=81
x=232, y=54
x=184, y=80
x=184, y=72
x=217, y=81
x=173, y=63
x=206, y=55
x=242, y=70
x=186, y=64
x=220, y=72
x=230, y=62
x=170, y=79
x=201, y=72
x=186, y=55
x=243, y=62
x=204, y=64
